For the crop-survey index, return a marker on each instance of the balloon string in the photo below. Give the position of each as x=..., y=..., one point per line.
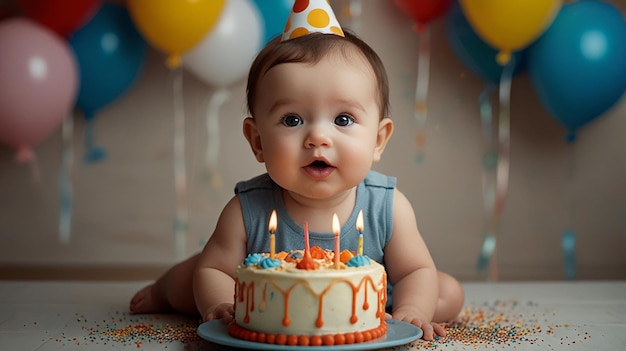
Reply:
x=421, y=91
x=502, y=169
x=489, y=175
x=213, y=135
x=180, y=172
x=93, y=153
x=568, y=243
x=504, y=138
x=490, y=151
x=65, y=182
x=487, y=252
x=568, y=239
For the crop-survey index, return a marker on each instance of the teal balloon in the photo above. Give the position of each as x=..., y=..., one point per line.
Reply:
x=110, y=53
x=275, y=14
x=578, y=66
x=472, y=51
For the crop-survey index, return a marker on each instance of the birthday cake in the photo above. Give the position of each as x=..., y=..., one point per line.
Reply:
x=309, y=297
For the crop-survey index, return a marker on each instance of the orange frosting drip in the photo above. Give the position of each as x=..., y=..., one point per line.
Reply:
x=382, y=299
x=245, y=295
x=249, y=297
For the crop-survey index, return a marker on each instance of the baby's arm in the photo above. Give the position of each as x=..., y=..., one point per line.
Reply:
x=411, y=270
x=213, y=285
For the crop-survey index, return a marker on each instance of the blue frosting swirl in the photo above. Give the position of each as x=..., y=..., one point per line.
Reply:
x=267, y=263
x=359, y=261
x=253, y=259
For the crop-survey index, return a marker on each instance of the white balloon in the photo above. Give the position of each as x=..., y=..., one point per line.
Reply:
x=224, y=55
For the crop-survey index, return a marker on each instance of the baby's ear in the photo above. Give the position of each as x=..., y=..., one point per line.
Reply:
x=385, y=129
x=251, y=133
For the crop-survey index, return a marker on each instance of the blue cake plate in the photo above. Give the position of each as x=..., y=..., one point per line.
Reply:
x=398, y=333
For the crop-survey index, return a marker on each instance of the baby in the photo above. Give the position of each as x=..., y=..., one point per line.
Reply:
x=318, y=107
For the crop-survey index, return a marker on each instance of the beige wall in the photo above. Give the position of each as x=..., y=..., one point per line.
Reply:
x=124, y=206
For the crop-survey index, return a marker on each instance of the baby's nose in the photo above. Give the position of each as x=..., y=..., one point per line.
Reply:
x=317, y=136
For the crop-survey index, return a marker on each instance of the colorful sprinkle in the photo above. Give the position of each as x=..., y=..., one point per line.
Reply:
x=497, y=324
x=486, y=325
x=134, y=330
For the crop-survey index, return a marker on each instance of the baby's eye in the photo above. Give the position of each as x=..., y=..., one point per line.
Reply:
x=344, y=120
x=291, y=121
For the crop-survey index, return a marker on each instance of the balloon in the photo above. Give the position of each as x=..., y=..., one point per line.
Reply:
x=510, y=25
x=110, y=53
x=225, y=54
x=578, y=66
x=38, y=85
x=473, y=51
x=274, y=14
x=62, y=16
x=174, y=26
x=424, y=11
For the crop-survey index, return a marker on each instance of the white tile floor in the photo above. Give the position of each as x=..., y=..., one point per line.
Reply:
x=498, y=316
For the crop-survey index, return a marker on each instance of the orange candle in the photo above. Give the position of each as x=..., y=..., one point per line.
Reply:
x=336, y=230
x=359, y=227
x=272, y=229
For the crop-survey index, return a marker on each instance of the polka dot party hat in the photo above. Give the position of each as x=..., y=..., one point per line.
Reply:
x=311, y=16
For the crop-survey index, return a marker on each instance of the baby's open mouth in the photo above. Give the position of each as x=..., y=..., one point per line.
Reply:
x=318, y=164
x=319, y=169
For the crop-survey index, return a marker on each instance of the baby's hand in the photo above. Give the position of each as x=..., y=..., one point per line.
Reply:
x=430, y=329
x=223, y=311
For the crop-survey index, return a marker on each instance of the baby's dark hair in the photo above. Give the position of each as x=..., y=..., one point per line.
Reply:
x=311, y=48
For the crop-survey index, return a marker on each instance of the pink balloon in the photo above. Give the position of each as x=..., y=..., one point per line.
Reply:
x=39, y=84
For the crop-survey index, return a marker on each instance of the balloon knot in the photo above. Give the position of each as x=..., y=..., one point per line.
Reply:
x=24, y=155
x=571, y=136
x=173, y=61
x=89, y=115
x=503, y=57
x=420, y=27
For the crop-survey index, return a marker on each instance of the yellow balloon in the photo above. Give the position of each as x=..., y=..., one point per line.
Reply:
x=174, y=26
x=510, y=25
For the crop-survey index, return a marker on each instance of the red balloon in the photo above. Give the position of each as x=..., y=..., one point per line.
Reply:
x=61, y=16
x=424, y=11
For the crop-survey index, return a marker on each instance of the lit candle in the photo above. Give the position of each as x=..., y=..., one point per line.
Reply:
x=272, y=228
x=336, y=230
x=359, y=227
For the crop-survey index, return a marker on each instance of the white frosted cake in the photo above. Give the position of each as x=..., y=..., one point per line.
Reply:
x=301, y=298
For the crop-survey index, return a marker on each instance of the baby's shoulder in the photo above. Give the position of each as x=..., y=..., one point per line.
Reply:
x=380, y=180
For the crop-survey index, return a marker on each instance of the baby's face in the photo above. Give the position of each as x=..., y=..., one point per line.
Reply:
x=318, y=125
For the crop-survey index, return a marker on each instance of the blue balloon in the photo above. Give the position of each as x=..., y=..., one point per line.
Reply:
x=473, y=52
x=110, y=53
x=578, y=66
x=274, y=14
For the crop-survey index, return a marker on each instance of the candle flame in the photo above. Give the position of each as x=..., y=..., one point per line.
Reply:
x=336, y=226
x=359, y=222
x=272, y=225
